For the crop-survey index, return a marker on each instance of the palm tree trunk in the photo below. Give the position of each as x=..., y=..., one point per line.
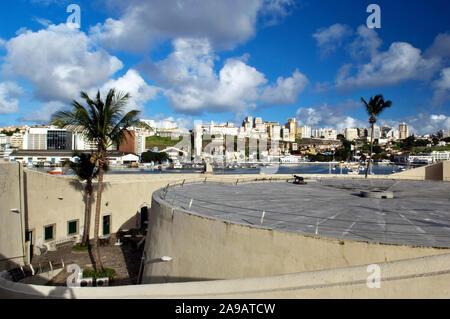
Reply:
x=98, y=265
x=371, y=150
x=87, y=214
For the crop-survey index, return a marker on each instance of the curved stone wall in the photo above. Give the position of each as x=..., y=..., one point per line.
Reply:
x=203, y=248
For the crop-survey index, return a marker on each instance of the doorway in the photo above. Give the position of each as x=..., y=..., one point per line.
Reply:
x=144, y=217
x=106, y=225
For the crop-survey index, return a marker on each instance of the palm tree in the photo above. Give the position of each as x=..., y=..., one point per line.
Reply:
x=85, y=170
x=104, y=123
x=375, y=106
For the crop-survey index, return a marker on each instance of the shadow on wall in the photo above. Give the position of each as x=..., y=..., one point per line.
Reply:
x=133, y=242
x=434, y=172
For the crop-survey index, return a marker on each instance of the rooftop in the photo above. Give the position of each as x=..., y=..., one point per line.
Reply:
x=418, y=215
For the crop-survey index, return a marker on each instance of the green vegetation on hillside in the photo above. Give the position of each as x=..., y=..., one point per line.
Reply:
x=159, y=141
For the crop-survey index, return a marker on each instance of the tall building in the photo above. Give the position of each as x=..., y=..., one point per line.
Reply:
x=59, y=140
x=292, y=126
x=128, y=143
x=376, y=132
x=248, y=123
x=259, y=126
x=304, y=131
x=444, y=133
x=16, y=140
x=403, y=131
x=363, y=132
x=35, y=138
x=351, y=134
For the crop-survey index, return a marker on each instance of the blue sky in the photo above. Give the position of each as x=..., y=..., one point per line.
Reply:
x=189, y=60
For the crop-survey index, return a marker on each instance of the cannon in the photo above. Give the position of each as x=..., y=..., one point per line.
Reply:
x=299, y=180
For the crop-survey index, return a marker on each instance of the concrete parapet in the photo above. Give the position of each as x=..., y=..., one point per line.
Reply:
x=426, y=277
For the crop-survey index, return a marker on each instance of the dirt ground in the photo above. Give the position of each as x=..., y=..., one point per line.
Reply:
x=124, y=259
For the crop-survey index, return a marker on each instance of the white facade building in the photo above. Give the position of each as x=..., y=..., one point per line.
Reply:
x=351, y=134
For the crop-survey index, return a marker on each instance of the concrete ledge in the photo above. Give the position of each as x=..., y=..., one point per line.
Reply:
x=426, y=277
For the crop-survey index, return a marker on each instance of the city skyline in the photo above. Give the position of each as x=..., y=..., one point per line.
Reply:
x=288, y=59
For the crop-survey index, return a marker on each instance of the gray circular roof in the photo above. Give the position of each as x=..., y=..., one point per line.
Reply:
x=418, y=215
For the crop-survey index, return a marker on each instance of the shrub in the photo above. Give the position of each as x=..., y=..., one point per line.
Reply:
x=107, y=272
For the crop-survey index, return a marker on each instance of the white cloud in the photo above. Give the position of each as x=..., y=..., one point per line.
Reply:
x=332, y=37
x=330, y=116
x=162, y=122
x=9, y=91
x=402, y=62
x=224, y=23
x=440, y=46
x=286, y=90
x=136, y=86
x=366, y=43
x=193, y=85
x=59, y=62
x=43, y=115
x=425, y=123
x=442, y=87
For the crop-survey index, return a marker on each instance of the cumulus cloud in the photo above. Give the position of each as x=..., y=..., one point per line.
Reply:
x=136, y=86
x=286, y=90
x=58, y=61
x=9, y=93
x=440, y=47
x=43, y=115
x=366, y=43
x=332, y=116
x=442, y=87
x=332, y=37
x=402, y=62
x=192, y=85
x=162, y=122
x=224, y=23
x=426, y=123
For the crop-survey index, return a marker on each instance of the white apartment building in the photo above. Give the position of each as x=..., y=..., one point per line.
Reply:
x=351, y=134
x=440, y=156
x=403, y=131
x=326, y=133
x=35, y=138
x=304, y=131
x=5, y=139
x=285, y=134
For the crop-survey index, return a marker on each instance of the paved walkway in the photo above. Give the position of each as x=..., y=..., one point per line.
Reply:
x=123, y=259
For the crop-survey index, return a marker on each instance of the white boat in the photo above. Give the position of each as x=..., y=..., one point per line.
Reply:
x=177, y=165
x=290, y=159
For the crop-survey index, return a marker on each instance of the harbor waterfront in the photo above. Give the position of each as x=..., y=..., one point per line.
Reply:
x=303, y=168
x=184, y=237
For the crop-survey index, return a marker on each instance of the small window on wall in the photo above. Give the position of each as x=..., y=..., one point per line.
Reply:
x=72, y=227
x=49, y=232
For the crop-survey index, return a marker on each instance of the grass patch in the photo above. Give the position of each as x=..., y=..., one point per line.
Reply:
x=78, y=247
x=107, y=272
x=152, y=141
